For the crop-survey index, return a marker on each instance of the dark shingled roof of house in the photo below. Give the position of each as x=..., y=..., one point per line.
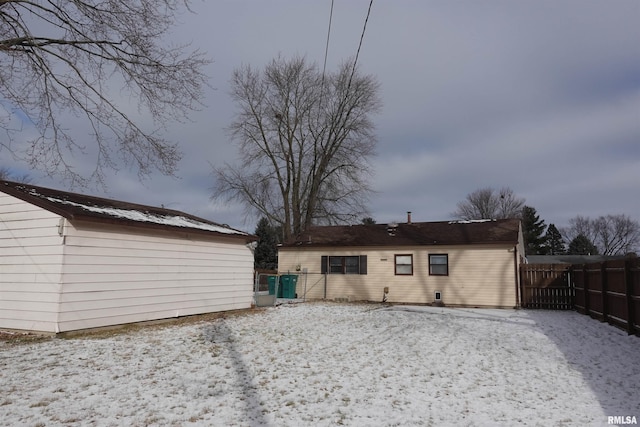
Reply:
x=501, y=231
x=73, y=206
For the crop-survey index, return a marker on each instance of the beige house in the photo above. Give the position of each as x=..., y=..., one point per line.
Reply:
x=70, y=262
x=457, y=263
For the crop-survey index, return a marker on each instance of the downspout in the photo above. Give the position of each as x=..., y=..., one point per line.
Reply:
x=61, y=233
x=517, y=275
x=256, y=277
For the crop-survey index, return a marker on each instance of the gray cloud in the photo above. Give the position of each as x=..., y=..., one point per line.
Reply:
x=542, y=96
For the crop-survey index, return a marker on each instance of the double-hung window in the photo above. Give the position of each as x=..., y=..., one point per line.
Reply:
x=438, y=264
x=404, y=265
x=344, y=264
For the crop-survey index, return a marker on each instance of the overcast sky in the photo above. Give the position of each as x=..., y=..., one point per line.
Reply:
x=540, y=96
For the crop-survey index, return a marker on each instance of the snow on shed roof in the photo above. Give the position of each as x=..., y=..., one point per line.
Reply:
x=75, y=206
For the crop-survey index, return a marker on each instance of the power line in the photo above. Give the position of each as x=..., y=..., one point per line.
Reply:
x=364, y=28
x=355, y=61
x=326, y=49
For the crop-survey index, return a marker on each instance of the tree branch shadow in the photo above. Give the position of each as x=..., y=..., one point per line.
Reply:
x=220, y=333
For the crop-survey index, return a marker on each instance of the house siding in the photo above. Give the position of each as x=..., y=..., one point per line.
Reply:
x=30, y=266
x=479, y=275
x=113, y=275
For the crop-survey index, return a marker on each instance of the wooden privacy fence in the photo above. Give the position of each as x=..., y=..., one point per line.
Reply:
x=546, y=286
x=608, y=291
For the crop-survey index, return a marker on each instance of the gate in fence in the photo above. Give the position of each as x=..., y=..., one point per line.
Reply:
x=546, y=286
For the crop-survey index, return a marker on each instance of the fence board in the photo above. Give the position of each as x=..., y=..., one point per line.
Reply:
x=544, y=275
x=549, y=298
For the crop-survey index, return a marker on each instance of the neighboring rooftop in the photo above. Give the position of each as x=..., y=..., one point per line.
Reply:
x=502, y=231
x=75, y=206
x=570, y=259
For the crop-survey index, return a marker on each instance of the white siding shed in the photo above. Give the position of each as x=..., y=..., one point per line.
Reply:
x=70, y=262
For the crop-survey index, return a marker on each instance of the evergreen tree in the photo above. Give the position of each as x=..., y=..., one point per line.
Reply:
x=581, y=245
x=368, y=221
x=266, y=253
x=533, y=229
x=554, y=243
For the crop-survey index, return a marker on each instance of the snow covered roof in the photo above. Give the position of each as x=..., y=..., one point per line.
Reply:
x=75, y=206
x=501, y=231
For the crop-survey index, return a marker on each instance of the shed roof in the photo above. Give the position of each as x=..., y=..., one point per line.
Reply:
x=74, y=206
x=501, y=231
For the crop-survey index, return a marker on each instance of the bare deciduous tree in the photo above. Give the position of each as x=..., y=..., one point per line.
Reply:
x=611, y=234
x=487, y=203
x=579, y=225
x=304, y=140
x=68, y=58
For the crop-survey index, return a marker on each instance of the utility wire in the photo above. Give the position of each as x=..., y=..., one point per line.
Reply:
x=364, y=28
x=326, y=49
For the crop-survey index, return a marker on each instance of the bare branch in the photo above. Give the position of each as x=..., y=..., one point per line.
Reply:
x=66, y=58
x=486, y=203
x=611, y=234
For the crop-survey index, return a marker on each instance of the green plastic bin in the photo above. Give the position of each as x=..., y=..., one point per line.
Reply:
x=272, y=281
x=288, y=285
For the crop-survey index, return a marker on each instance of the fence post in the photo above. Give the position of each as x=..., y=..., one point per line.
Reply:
x=572, y=289
x=325, y=286
x=628, y=279
x=585, y=286
x=603, y=286
x=305, y=271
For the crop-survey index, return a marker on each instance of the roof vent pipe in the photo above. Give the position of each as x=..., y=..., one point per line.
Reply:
x=409, y=217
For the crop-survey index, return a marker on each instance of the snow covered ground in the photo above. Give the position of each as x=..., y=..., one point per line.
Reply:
x=331, y=364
